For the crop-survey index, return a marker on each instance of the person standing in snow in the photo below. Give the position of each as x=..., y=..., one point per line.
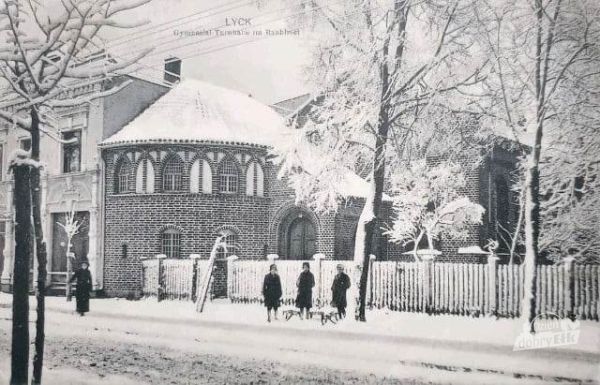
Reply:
x=341, y=283
x=305, y=283
x=83, y=277
x=272, y=291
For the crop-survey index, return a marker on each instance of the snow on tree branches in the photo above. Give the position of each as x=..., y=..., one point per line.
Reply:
x=428, y=201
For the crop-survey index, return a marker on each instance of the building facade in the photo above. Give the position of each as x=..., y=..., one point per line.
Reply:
x=197, y=165
x=71, y=175
x=152, y=170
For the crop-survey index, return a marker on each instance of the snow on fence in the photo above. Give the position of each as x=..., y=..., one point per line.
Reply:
x=150, y=277
x=474, y=289
x=172, y=278
x=436, y=287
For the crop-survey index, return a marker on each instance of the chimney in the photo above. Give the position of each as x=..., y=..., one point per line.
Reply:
x=172, y=70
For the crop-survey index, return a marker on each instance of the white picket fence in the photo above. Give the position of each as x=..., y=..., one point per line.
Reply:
x=245, y=279
x=567, y=290
x=172, y=278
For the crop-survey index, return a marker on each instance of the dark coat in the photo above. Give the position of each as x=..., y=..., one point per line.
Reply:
x=83, y=277
x=305, y=283
x=341, y=283
x=272, y=290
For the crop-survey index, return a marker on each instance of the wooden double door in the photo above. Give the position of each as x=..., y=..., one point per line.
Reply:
x=302, y=239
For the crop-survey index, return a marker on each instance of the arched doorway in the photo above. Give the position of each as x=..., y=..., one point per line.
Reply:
x=301, y=239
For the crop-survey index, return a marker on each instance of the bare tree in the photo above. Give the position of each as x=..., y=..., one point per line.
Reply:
x=379, y=68
x=71, y=229
x=42, y=60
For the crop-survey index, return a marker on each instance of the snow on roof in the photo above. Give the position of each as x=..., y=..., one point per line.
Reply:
x=199, y=112
x=195, y=111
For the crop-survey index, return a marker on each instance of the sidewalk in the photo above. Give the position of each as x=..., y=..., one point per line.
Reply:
x=447, y=328
x=448, y=343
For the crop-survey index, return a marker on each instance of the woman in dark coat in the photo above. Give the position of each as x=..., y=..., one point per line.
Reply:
x=83, y=277
x=341, y=283
x=272, y=291
x=305, y=283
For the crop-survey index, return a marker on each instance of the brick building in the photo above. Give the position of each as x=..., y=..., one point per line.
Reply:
x=490, y=181
x=196, y=165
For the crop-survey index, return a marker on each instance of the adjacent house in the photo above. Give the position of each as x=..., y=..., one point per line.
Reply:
x=72, y=174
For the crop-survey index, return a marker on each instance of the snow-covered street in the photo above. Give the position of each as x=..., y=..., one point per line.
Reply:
x=167, y=342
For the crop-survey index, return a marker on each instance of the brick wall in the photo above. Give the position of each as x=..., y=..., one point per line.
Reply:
x=137, y=220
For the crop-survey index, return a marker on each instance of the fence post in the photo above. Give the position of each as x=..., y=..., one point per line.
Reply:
x=194, y=258
x=492, y=289
x=427, y=281
x=161, y=278
x=143, y=278
x=230, y=260
x=318, y=258
x=372, y=259
x=569, y=288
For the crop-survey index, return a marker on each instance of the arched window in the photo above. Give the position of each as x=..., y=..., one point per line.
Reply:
x=122, y=179
x=144, y=177
x=171, y=243
x=230, y=240
x=173, y=175
x=228, y=177
x=255, y=180
x=201, y=177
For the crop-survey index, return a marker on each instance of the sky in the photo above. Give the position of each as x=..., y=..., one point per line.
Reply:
x=270, y=69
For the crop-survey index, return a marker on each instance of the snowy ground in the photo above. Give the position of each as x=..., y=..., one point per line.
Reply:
x=168, y=342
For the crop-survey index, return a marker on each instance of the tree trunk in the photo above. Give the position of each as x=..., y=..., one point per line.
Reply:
x=383, y=127
x=40, y=247
x=532, y=185
x=23, y=251
x=68, y=289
